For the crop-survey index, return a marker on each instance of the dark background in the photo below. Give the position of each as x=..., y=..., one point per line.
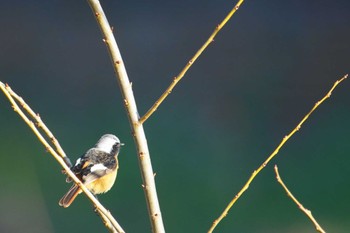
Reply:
x=263, y=73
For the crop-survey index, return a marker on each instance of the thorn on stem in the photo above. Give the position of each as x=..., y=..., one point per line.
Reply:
x=97, y=14
x=126, y=103
x=105, y=40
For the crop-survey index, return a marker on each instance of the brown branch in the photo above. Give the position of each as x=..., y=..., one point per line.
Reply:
x=11, y=95
x=40, y=124
x=138, y=132
x=301, y=207
x=190, y=63
x=108, y=224
x=274, y=153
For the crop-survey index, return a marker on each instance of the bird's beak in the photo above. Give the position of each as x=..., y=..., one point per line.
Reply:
x=122, y=144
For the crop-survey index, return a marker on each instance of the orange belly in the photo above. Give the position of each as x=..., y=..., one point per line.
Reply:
x=103, y=184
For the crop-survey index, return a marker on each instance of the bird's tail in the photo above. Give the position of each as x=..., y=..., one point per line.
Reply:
x=69, y=197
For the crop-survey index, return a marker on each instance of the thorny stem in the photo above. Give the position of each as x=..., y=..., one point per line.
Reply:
x=136, y=127
x=190, y=63
x=10, y=94
x=284, y=140
x=301, y=207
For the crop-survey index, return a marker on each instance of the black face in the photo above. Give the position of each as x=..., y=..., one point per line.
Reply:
x=115, y=148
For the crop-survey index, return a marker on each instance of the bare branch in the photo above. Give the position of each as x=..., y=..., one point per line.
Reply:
x=40, y=124
x=108, y=224
x=301, y=207
x=136, y=127
x=10, y=94
x=284, y=140
x=190, y=63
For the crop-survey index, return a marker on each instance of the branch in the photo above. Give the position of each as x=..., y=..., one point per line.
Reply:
x=190, y=63
x=284, y=140
x=40, y=124
x=138, y=133
x=62, y=161
x=108, y=224
x=301, y=207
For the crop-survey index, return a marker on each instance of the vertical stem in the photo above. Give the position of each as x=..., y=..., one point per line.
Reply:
x=136, y=127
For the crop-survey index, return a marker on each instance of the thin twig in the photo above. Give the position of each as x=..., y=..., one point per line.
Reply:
x=40, y=124
x=284, y=140
x=190, y=63
x=138, y=133
x=301, y=207
x=108, y=224
x=10, y=94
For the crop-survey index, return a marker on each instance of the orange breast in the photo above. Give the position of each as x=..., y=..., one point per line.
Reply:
x=103, y=184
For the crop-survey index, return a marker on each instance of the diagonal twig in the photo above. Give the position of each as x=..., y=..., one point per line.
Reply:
x=40, y=124
x=11, y=95
x=301, y=207
x=190, y=63
x=284, y=140
x=138, y=133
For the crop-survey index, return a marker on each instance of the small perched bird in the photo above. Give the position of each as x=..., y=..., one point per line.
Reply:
x=97, y=169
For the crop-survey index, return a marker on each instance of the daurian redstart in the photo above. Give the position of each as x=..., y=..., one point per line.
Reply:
x=97, y=169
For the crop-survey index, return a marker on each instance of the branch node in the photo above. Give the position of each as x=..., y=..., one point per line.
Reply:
x=126, y=103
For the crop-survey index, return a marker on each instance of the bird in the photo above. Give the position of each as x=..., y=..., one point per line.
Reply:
x=96, y=169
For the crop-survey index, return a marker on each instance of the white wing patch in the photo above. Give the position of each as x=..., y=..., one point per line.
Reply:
x=77, y=162
x=98, y=167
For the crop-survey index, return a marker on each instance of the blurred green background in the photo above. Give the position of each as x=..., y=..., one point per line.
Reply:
x=264, y=72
